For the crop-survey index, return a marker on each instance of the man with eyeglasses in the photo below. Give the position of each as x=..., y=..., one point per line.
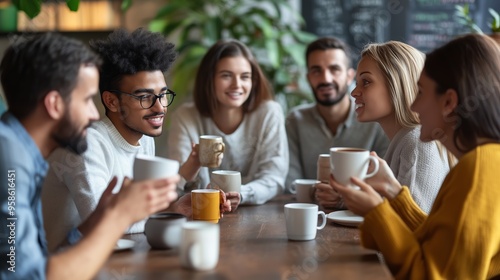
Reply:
x=135, y=97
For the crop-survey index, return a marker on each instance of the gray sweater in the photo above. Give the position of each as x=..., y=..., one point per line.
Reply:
x=418, y=165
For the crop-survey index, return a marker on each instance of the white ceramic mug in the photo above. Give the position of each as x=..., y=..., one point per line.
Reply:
x=163, y=230
x=302, y=221
x=351, y=162
x=199, y=248
x=151, y=167
x=226, y=180
x=304, y=190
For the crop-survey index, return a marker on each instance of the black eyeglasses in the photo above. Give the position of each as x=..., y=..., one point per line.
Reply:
x=148, y=99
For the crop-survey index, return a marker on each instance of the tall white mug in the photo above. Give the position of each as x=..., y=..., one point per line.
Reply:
x=302, y=221
x=351, y=162
x=199, y=248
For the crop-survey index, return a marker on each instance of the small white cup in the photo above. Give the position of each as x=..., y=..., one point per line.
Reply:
x=199, y=248
x=302, y=221
x=351, y=162
x=304, y=189
x=151, y=167
x=226, y=180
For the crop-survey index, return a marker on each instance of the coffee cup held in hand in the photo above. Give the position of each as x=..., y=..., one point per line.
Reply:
x=151, y=167
x=211, y=150
x=163, y=230
x=323, y=168
x=351, y=162
x=205, y=204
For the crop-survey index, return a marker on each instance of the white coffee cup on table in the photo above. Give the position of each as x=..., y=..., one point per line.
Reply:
x=199, y=248
x=302, y=221
x=226, y=180
x=304, y=189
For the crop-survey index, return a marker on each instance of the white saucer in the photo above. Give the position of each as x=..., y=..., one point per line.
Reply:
x=124, y=244
x=345, y=218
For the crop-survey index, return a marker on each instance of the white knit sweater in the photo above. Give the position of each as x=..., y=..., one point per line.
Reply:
x=258, y=148
x=418, y=165
x=74, y=184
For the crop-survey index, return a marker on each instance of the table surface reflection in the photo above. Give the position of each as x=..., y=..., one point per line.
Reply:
x=254, y=245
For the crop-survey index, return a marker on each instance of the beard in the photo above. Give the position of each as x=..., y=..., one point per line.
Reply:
x=330, y=101
x=67, y=135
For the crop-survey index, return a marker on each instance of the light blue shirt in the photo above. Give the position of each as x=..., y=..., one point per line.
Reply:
x=23, y=251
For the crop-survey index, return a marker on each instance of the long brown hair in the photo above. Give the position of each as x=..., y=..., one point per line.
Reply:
x=470, y=65
x=204, y=89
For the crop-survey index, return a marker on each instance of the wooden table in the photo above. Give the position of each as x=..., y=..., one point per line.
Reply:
x=254, y=245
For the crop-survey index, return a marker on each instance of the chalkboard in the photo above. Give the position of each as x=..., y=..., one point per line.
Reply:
x=424, y=24
x=357, y=22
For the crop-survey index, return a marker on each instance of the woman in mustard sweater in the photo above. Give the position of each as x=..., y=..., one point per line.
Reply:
x=458, y=104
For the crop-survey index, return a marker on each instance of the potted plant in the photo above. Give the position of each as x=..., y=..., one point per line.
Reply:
x=8, y=16
x=463, y=14
x=271, y=28
x=33, y=7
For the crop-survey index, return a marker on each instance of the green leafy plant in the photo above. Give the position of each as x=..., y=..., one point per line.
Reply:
x=495, y=24
x=33, y=7
x=271, y=28
x=463, y=14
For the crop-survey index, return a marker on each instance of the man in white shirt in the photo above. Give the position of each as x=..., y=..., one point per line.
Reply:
x=135, y=97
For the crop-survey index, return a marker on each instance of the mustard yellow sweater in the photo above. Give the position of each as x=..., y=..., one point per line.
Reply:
x=459, y=239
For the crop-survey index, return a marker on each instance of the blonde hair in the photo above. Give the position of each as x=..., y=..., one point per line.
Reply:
x=401, y=65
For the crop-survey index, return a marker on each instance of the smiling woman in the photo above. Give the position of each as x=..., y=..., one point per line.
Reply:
x=386, y=85
x=232, y=99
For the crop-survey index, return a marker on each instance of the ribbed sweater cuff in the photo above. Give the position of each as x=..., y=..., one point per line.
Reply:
x=407, y=209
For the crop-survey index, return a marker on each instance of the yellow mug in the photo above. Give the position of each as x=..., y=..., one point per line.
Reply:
x=206, y=205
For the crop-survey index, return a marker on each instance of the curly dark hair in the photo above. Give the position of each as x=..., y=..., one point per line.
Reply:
x=125, y=53
x=35, y=65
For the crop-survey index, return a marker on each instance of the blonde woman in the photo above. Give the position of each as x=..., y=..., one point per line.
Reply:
x=460, y=238
x=386, y=86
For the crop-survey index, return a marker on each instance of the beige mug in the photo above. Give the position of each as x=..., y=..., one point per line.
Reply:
x=323, y=168
x=211, y=150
